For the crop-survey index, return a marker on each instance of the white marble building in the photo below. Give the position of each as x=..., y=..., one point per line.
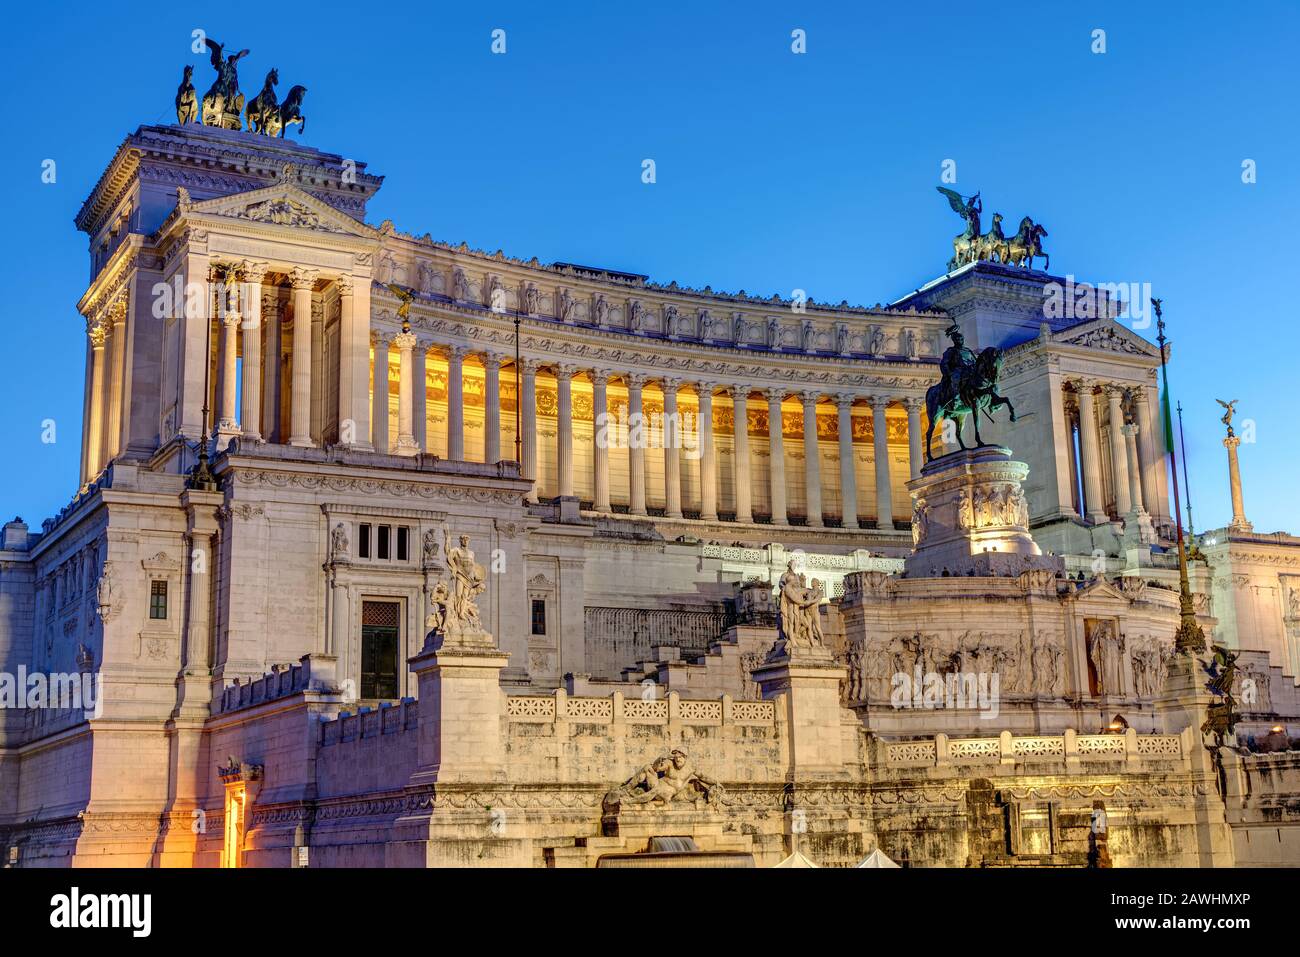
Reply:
x=236, y=284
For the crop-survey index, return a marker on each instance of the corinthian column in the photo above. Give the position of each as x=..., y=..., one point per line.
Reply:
x=564, y=428
x=914, y=436
x=271, y=368
x=812, y=460
x=95, y=430
x=848, y=471
x=776, y=451
x=1134, y=471
x=420, y=396
x=116, y=383
x=1089, y=444
x=379, y=399
x=250, y=410
x=884, y=486
x=228, y=426
x=635, y=445
x=492, y=407
x=672, y=457
x=1150, y=452
x=528, y=424
x=456, y=403
x=405, y=342
x=600, y=438
x=740, y=457
x=1118, y=453
x=708, y=455
x=303, y=281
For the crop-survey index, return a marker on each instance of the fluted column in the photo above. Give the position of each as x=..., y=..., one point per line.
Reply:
x=1089, y=444
x=812, y=460
x=740, y=457
x=528, y=423
x=228, y=425
x=1134, y=468
x=420, y=396
x=271, y=368
x=884, y=485
x=708, y=455
x=379, y=400
x=492, y=407
x=456, y=403
x=1148, y=453
x=1118, y=453
x=635, y=445
x=116, y=383
x=564, y=428
x=600, y=439
x=914, y=453
x=405, y=342
x=1239, y=522
x=303, y=281
x=95, y=428
x=848, y=471
x=672, y=451
x=776, y=451
x=250, y=409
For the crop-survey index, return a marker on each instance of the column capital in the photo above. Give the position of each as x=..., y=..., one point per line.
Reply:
x=98, y=334
x=1130, y=429
x=739, y=393
x=303, y=279
x=565, y=370
x=380, y=338
x=528, y=366
x=1137, y=393
x=345, y=285
x=598, y=376
x=703, y=389
x=913, y=403
x=845, y=400
x=455, y=352
x=775, y=394
x=1114, y=391
x=405, y=341
x=1084, y=385
x=231, y=319
x=635, y=380
x=810, y=396
x=491, y=359
x=879, y=402
x=254, y=272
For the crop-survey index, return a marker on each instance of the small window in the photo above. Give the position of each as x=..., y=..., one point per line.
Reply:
x=158, y=600
x=402, y=534
x=363, y=540
x=539, y=616
x=381, y=546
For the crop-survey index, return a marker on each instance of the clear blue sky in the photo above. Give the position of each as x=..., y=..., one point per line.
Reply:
x=775, y=171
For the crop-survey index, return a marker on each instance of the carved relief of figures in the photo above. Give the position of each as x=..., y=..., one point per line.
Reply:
x=842, y=338
x=566, y=306
x=1047, y=668
x=1147, y=665
x=670, y=320
x=430, y=547
x=600, y=309
x=635, y=316
x=427, y=274
x=877, y=346
x=920, y=520
x=496, y=295
x=386, y=272
x=909, y=344
x=856, y=689
x=1106, y=652
x=707, y=323
x=667, y=779
x=1293, y=602
x=808, y=336
x=773, y=334
x=532, y=300
x=965, y=511
x=739, y=328
x=459, y=285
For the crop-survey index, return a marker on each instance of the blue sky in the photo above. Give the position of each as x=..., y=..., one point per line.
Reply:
x=775, y=171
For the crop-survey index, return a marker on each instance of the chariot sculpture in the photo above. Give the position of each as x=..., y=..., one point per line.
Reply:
x=971, y=245
x=223, y=104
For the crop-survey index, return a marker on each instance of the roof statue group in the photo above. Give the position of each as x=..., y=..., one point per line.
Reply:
x=973, y=246
x=223, y=103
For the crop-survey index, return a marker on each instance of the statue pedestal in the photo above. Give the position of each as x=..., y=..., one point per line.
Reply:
x=970, y=517
x=822, y=734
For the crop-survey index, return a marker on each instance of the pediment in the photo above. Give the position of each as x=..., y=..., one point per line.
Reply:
x=1101, y=588
x=282, y=204
x=1106, y=335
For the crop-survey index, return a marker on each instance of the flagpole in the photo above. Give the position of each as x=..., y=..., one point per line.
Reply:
x=1187, y=482
x=1189, y=638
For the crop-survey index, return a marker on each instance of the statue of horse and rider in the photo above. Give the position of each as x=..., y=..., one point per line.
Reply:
x=968, y=387
x=973, y=246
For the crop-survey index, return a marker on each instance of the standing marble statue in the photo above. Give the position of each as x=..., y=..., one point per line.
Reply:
x=799, y=622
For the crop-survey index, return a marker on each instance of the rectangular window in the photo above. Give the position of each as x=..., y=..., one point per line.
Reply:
x=363, y=540
x=380, y=634
x=158, y=600
x=403, y=533
x=381, y=546
x=539, y=616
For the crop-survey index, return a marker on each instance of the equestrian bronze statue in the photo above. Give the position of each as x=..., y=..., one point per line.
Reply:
x=968, y=387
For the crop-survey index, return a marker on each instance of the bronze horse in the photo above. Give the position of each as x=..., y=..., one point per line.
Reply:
x=263, y=113
x=975, y=392
x=291, y=111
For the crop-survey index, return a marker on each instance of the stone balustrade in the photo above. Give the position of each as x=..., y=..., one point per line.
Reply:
x=371, y=722
x=311, y=673
x=618, y=709
x=1069, y=749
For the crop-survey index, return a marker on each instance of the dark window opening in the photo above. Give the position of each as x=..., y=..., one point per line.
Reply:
x=363, y=540
x=381, y=546
x=158, y=600
x=539, y=616
x=379, y=648
x=402, y=534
